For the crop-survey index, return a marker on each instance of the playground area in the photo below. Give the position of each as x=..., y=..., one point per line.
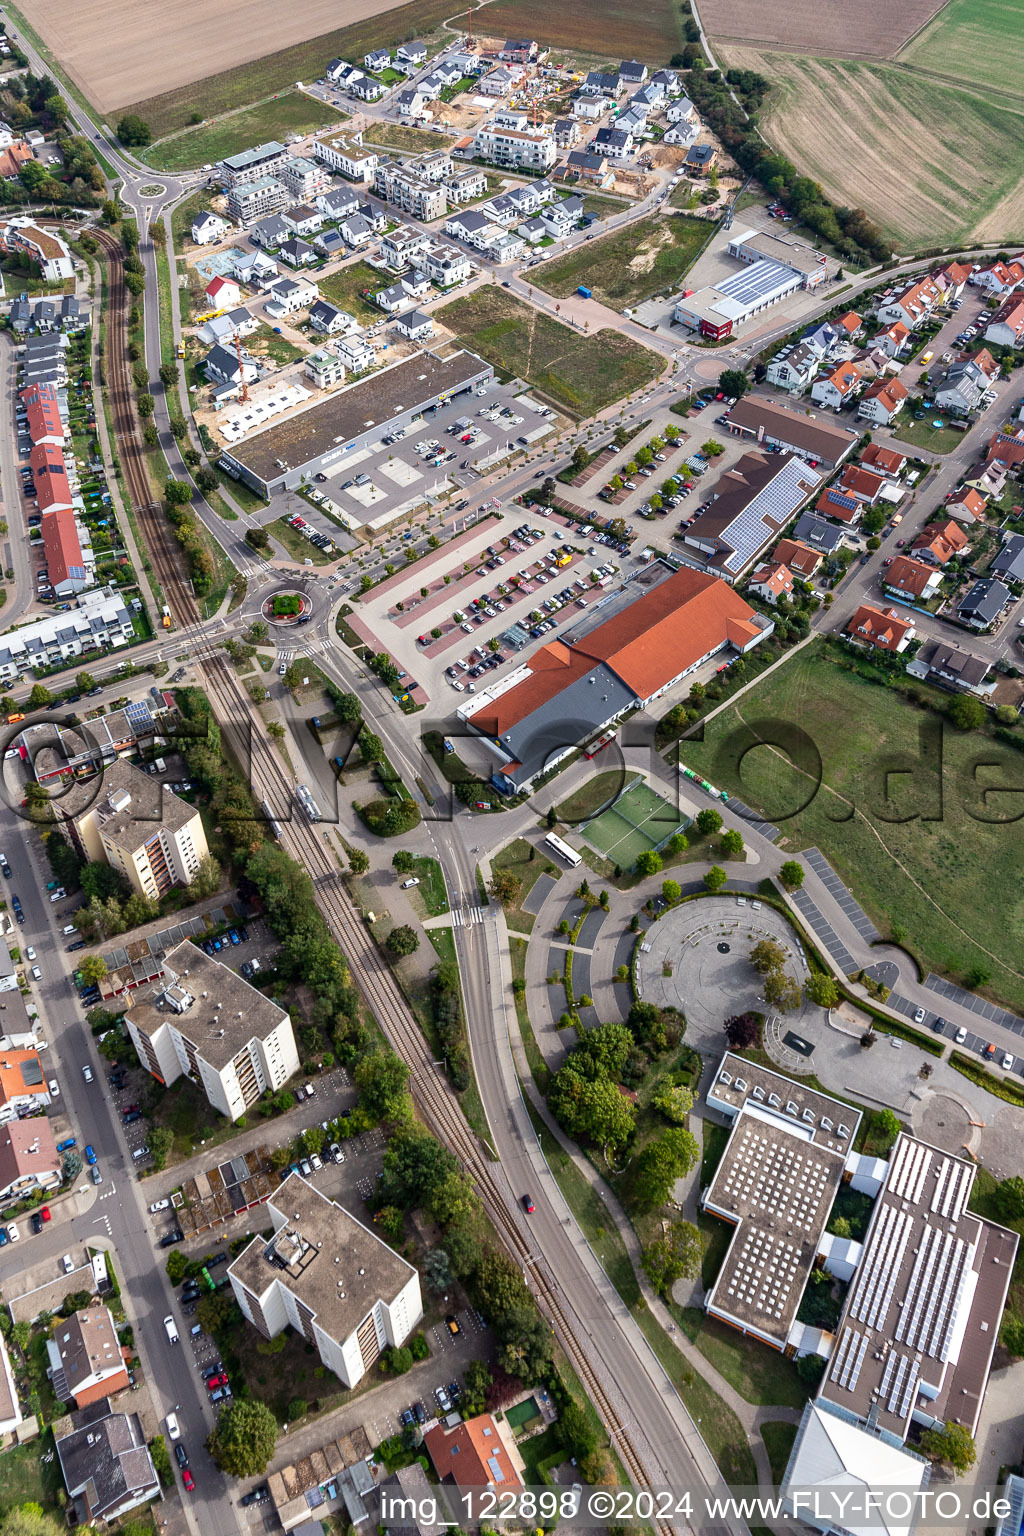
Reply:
x=638, y=820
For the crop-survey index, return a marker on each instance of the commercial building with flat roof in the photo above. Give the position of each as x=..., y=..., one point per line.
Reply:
x=752, y=246
x=282, y=456
x=328, y=1277
x=204, y=1021
x=653, y=632
x=716, y=311
x=813, y=438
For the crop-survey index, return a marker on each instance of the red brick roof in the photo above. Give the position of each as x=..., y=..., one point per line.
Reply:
x=775, y=577
x=862, y=482
x=62, y=545
x=472, y=1455
x=877, y=457
x=799, y=557
x=51, y=477
x=972, y=501
x=879, y=626
x=942, y=543
x=889, y=393
x=850, y=322
x=908, y=575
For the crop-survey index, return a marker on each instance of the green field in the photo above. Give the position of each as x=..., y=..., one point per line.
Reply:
x=580, y=374
x=935, y=872
x=973, y=42
x=264, y=343
x=279, y=71
x=410, y=141
x=345, y=288
x=631, y=265
x=210, y=142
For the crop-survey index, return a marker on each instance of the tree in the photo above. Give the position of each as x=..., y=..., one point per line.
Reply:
x=575, y=1430
x=370, y=746
x=732, y=844
x=40, y=696
x=257, y=538
x=733, y=381
x=648, y=862
x=243, y=1438
x=506, y=887
x=84, y=682
x=1009, y=1198
x=93, y=970
x=654, y=1173
x=715, y=878
x=708, y=822
x=966, y=712
x=671, y=890
x=743, y=1031
x=953, y=1444
x=381, y=1077
x=675, y=1256
x=591, y=1109
x=404, y=862
x=28, y=1520
x=674, y=1101
x=437, y=1270
x=347, y=708
x=359, y=861
x=792, y=875
x=133, y=131
x=475, y=1382
x=177, y=493
x=297, y=1409
x=781, y=991
x=821, y=989
x=402, y=940
x=602, y=1051
x=526, y=1351
x=161, y=1140
x=889, y=1124
x=767, y=955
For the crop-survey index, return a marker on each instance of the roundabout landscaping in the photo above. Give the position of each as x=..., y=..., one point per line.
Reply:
x=286, y=607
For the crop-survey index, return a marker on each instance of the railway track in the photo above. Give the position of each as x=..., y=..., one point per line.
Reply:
x=434, y=1098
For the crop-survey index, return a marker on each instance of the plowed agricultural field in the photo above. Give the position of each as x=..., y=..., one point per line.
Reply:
x=869, y=29
x=134, y=49
x=878, y=137
x=611, y=29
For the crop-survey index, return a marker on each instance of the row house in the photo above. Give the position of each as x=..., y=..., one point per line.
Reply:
x=883, y=400
x=938, y=543
x=913, y=305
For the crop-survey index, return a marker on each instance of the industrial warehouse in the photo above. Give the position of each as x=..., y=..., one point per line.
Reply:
x=626, y=653
x=282, y=456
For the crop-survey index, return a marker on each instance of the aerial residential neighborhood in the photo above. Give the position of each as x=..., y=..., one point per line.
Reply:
x=513, y=666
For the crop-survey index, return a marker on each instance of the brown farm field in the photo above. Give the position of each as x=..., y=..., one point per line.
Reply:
x=871, y=29
x=177, y=57
x=614, y=29
x=876, y=135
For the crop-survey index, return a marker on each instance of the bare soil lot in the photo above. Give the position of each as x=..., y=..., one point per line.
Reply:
x=613, y=29
x=163, y=47
x=838, y=120
x=872, y=29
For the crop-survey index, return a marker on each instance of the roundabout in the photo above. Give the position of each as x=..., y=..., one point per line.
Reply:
x=152, y=189
x=287, y=607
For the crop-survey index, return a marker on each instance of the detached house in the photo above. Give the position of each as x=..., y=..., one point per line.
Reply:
x=913, y=305
x=208, y=227
x=772, y=581
x=840, y=505
x=883, y=400
x=983, y=604
x=329, y=320
x=837, y=387
x=893, y=342
x=965, y=381
x=912, y=580
x=801, y=559
x=880, y=627
x=613, y=143
x=682, y=111
x=1006, y=327
x=967, y=505
x=409, y=57
x=862, y=483
x=1001, y=278
x=1009, y=562
x=939, y=542
x=795, y=368
x=90, y=1356
x=884, y=461
x=223, y=293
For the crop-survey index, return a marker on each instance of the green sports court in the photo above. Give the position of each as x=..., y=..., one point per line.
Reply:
x=636, y=821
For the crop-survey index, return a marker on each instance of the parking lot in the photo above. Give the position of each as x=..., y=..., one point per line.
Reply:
x=525, y=581
x=375, y=486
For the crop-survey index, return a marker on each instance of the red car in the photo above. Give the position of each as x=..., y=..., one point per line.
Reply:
x=213, y=1382
x=528, y=1205
x=189, y=1481
x=45, y=1212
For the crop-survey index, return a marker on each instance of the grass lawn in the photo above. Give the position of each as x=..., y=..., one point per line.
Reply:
x=516, y=857
x=279, y=349
x=778, y=1440
x=443, y=942
x=261, y=77
x=590, y=797
x=430, y=893
x=933, y=871
x=294, y=112
x=759, y=1374
x=410, y=141
x=187, y=1113
x=184, y=213
x=538, y=1066
x=27, y=1478
x=603, y=207
x=345, y=288
x=631, y=265
x=298, y=547
x=921, y=434
x=580, y=374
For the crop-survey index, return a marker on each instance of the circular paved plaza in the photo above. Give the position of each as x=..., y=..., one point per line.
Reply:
x=706, y=945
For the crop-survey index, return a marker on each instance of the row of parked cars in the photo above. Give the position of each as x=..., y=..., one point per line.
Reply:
x=314, y=536
x=234, y=936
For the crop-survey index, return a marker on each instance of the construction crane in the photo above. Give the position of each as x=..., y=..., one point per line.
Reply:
x=243, y=393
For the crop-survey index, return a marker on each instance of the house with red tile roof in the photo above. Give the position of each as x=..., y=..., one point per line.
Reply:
x=884, y=461
x=840, y=505
x=69, y=557
x=883, y=400
x=29, y=1159
x=837, y=387
x=893, y=341
x=881, y=627
x=1001, y=278
x=1006, y=448
x=13, y=158
x=801, y=558
x=912, y=579
x=954, y=278
x=1006, y=327
x=475, y=1454
x=967, y=504
x=772, y=581
x=22, y=1084
x=42, y=416
x=913, y=305
x=53, y=489
x=862, y=483
x=939, y=542
x=223, y=292
x=851, y=323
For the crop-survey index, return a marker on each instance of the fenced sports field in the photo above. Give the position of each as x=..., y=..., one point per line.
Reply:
x=637, y=820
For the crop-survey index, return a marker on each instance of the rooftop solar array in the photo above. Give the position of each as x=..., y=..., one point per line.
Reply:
x=769, y=510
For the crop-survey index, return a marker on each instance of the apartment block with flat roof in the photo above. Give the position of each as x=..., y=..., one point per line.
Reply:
x=149, y=835
x=330, y=1278
x=203, y=1021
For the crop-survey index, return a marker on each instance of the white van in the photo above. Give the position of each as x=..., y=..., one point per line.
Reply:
x=68, y=929
x=172, y=1330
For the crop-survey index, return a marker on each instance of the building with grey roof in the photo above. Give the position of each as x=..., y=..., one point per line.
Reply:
x=1009, y=561
x=330, y=1278
x=251, y=164
x=950, y=667
x=100, y=622
x=983, y=603
x=106, y=1464
x=753, y=503
x=819, y=533
x=204, y=1021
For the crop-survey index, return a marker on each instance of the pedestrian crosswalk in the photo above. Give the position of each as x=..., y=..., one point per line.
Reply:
x=466, y=917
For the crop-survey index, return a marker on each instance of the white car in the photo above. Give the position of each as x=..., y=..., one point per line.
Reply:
x=54, y=1088
x=159, y=1205
x=58, y=894
x=68, y=1263
x=173, y=1432
x=87, y=1073
x=12, y=1231
x=407, y=885
x=961, y=1035
x=30, y=953
x=37, y=974
x=1007, y=1063
x=919, y=1016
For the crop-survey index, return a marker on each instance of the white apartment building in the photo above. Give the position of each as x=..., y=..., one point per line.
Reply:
x=325, y=369
x=343, y=155
x=42, y=246
x=149, y=835
x=99, y=622
x=443, y=263
x=330, y=1278
x=304, y=178
x=410, y=191
x=527, y=147
x=203, y=1021
x=250, y=201
x=253, y=164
